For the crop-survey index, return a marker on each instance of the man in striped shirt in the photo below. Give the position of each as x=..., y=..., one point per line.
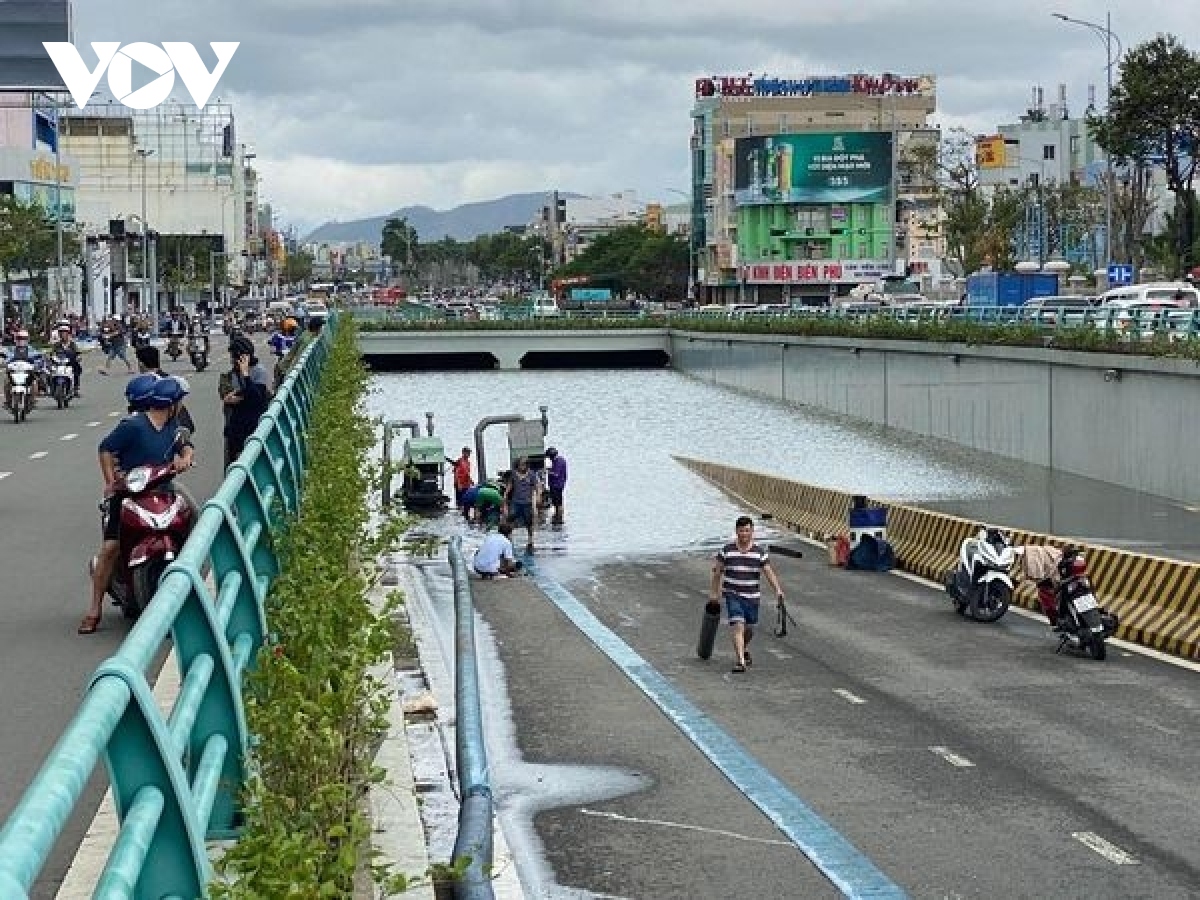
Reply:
x=737, y=571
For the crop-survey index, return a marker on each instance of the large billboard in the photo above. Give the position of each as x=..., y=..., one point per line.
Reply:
x=991, y=152
x=24, y=26
x=818, y=167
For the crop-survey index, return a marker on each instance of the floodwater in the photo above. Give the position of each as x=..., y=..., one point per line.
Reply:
x=619, y=428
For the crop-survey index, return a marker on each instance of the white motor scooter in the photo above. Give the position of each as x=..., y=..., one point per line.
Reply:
x=981, y=587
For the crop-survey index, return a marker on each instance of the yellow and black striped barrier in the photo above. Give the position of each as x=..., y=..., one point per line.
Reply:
x=1156, y=599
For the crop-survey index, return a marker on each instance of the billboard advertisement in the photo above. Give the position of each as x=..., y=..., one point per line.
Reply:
x=24, y=26
x=824, y=167
x=990, y=152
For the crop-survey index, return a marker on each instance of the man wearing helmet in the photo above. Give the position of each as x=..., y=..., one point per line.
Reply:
x=64, y=343
x=22, y=352
x=245, y=391
x=150, y=436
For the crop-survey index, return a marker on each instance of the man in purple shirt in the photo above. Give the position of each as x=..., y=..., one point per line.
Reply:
x=556, y=482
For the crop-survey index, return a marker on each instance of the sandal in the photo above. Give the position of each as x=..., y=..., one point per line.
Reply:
x=738, y=668
x=89, y=625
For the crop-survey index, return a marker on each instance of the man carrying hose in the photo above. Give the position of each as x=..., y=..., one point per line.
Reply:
x=737, y=572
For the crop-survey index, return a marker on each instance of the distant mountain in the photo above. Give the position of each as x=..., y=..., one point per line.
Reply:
x=461, y=223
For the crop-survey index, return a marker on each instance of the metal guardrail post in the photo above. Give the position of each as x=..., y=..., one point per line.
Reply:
x=473, y=844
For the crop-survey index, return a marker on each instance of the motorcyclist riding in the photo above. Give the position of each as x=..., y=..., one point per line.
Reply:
x=151, y=436
x=22, y=351
x=65, y=344
x=282, y=340
x=141, y=337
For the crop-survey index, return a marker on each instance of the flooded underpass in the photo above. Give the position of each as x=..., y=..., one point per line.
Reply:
x=557, y=726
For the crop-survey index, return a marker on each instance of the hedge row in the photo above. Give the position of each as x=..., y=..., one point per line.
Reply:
x=316, y=713
x=939, y=331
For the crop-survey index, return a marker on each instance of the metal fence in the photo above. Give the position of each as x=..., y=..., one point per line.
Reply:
x=176, y=780
x=1131, y=324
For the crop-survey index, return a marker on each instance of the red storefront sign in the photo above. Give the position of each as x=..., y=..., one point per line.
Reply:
x=814, y=272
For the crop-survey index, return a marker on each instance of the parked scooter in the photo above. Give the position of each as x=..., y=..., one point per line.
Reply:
x=61, y=376
x=1072, y=608
x=22, y=376
x=981, y=587
x=198, y=352
x=155, y=522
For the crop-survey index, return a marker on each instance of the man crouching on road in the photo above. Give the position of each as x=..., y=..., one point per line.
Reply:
x=737, y=572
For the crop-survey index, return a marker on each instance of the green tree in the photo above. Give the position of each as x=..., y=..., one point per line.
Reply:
x=399, y=241
x=29, y=245
x=646, y=261
x=297, y=267
x=1155, y=114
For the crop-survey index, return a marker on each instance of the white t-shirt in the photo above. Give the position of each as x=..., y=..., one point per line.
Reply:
x=494, y=548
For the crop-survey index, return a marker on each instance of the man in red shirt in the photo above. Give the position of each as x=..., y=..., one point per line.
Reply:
x=462, y=479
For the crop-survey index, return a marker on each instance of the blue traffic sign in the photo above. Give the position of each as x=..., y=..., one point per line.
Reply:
x=1120, y=274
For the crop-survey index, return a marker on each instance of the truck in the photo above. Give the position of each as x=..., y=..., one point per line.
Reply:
x=1009, y=288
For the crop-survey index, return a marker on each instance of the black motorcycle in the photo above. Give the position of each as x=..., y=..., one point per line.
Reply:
x=1081, y=622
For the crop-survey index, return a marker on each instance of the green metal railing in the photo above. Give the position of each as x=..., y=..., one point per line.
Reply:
x=176, y=779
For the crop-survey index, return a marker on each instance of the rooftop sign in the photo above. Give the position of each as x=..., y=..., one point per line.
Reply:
x=764, y=86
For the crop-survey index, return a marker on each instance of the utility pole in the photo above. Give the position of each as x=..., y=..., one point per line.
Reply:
x=893, y=192
x=58, y=222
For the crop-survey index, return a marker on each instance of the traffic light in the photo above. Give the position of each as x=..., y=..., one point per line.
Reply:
x=560, y=206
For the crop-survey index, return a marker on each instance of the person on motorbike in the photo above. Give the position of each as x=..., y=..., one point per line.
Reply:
x=282, y=340
x=22, y=352
x=65, y=345
x=151, y=436
x=196, y=329
x=150, y=361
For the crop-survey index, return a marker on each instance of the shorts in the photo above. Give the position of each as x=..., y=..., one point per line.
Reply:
x=521, y=514
x=556, y=498
x=112, y=517
x=739, y=609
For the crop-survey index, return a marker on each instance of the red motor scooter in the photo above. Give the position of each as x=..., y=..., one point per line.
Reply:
x=155, y=522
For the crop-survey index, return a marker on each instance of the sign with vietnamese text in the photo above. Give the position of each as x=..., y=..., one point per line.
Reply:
x=816, y=272
x=863, y=85
x=990, y=152
x=839, y=167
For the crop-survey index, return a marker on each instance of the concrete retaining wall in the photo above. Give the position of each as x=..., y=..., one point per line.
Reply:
x=1125, y=420
x=1157, y=600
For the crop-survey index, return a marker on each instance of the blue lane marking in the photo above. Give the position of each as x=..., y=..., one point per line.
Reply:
x=840, y=861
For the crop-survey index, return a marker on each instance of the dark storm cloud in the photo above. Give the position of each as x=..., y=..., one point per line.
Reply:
x=432, y=101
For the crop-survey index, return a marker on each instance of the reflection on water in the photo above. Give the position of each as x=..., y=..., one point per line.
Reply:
x=618, y=430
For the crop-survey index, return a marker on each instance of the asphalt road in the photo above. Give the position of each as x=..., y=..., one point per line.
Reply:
x=965, y=761
x=49, y=490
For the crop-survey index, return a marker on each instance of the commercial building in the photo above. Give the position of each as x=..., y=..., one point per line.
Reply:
x=803, y=188
x=1049, y=147
x=177, y=170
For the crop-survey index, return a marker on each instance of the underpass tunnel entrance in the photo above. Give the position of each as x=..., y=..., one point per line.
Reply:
x=431, y=362
x=597, y=359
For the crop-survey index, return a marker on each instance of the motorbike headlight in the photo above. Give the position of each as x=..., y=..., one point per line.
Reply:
x=137, y=480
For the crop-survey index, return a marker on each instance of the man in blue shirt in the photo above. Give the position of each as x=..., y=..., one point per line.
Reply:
x=151, y=436
x=556, y=482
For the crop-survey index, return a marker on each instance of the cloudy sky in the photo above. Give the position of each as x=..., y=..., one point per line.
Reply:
x=357, y=107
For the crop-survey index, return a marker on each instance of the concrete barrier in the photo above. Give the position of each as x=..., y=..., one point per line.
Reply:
x=1156, y=599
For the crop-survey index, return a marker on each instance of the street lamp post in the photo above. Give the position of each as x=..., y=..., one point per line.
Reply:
x=144, y=153
x=1106, y=34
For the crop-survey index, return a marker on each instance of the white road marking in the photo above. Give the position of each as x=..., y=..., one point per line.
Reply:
x=953, y=758
x=93, y=424
x=617, y=817
x=648, y=575
x=113, y=415
x=68, y=437
x=683, y=595
x=1111, y=852
x=4, y=475
x=41, y=454
x=848, y=696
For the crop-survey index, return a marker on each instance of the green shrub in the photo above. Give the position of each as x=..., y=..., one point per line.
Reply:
x=315, y=711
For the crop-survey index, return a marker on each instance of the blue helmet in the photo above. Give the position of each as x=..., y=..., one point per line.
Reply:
x=140, y=391
x=167, y=392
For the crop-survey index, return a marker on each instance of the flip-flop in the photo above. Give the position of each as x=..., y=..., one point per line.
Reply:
x=738, y=668
x=89, y=625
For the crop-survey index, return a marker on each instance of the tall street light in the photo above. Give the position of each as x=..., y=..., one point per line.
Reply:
x=144, y=153
x=1106, y=34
